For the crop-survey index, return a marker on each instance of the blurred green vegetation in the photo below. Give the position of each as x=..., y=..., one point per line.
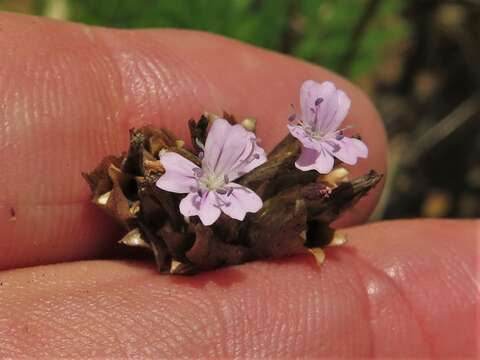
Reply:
x=327, y=32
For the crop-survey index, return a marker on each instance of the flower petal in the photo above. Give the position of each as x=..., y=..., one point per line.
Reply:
x=209, y=209
x=179, y=176
x=228, y=147
x=348, y=150
x=215, y=142
x=240, y=201
x=205, y=207
x=177, y=183
x=341, y=104
x=262, y=158
x=239, y=147
x=324, y=162
x=309, y=93
x=232, y=207
x=190, y=205
x=306, y=160
x=305, y=139
x=172, y=161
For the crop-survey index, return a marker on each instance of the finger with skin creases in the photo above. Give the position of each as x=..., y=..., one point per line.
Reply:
x=70, y=93
x=405, y=288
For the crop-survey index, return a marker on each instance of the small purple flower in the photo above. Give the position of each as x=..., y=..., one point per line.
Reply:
x=230, y=151
x=323, y=110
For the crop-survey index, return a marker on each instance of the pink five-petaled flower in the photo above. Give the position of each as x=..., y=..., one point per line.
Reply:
x=230, y=151
x=323, y=110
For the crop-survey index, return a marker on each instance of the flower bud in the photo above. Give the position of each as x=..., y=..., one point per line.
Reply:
x=211, y=117
x=179, y=143
x=250, y=124
x=335, y=177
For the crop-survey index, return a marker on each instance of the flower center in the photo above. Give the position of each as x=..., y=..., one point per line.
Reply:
x=212, y=181
x=317, y=135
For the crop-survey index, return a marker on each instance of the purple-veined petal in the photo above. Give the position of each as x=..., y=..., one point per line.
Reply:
x=324, y=162
x=326, y=111
x=205, y=207
x=209, y=209
x=307, y=159
x=262, y=158
x=179, y=176
x=309, y=93
x=231, y=206
x=238, y=147
x=257, y=156
x=348, y=150
x=228, y=150
x=240, y=201
x=177, y=183
x=342, y=106
x=215, y=142
x=190, y=204
x=305, y=139
x=172, y=161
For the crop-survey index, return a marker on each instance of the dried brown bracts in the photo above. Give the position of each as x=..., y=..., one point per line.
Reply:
x=224, y=201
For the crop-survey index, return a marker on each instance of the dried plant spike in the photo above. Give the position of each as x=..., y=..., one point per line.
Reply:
x=339, y=238
x=328, y=209
x=318, y=254
x=134, y=238
x=281, y=161
x=221, y=200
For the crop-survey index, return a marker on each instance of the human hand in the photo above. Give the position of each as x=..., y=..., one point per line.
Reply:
x=69, y=95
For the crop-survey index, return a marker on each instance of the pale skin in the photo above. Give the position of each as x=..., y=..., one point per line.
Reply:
x=69, y=94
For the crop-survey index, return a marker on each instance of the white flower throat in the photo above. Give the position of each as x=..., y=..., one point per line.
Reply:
x=210, y=180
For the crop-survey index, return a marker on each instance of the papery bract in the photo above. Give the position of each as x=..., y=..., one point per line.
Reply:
x=324, y=108
x=230, y=151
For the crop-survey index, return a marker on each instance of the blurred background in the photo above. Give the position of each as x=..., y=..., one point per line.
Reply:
x=418, y=59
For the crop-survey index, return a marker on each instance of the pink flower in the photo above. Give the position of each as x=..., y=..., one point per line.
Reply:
x=230, y=151
x=323, y=110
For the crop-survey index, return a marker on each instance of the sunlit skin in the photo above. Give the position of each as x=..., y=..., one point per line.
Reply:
x=69, y=93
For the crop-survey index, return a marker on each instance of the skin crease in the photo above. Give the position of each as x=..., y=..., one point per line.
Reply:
x=398, y=289
x=407, y=288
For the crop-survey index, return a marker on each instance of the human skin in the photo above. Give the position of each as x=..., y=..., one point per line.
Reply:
x=69, y=93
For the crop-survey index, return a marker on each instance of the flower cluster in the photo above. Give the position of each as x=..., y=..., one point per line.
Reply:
x=230, y=151
x=323, y=110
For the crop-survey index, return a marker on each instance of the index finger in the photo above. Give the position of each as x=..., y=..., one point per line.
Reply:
x=70, y=93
